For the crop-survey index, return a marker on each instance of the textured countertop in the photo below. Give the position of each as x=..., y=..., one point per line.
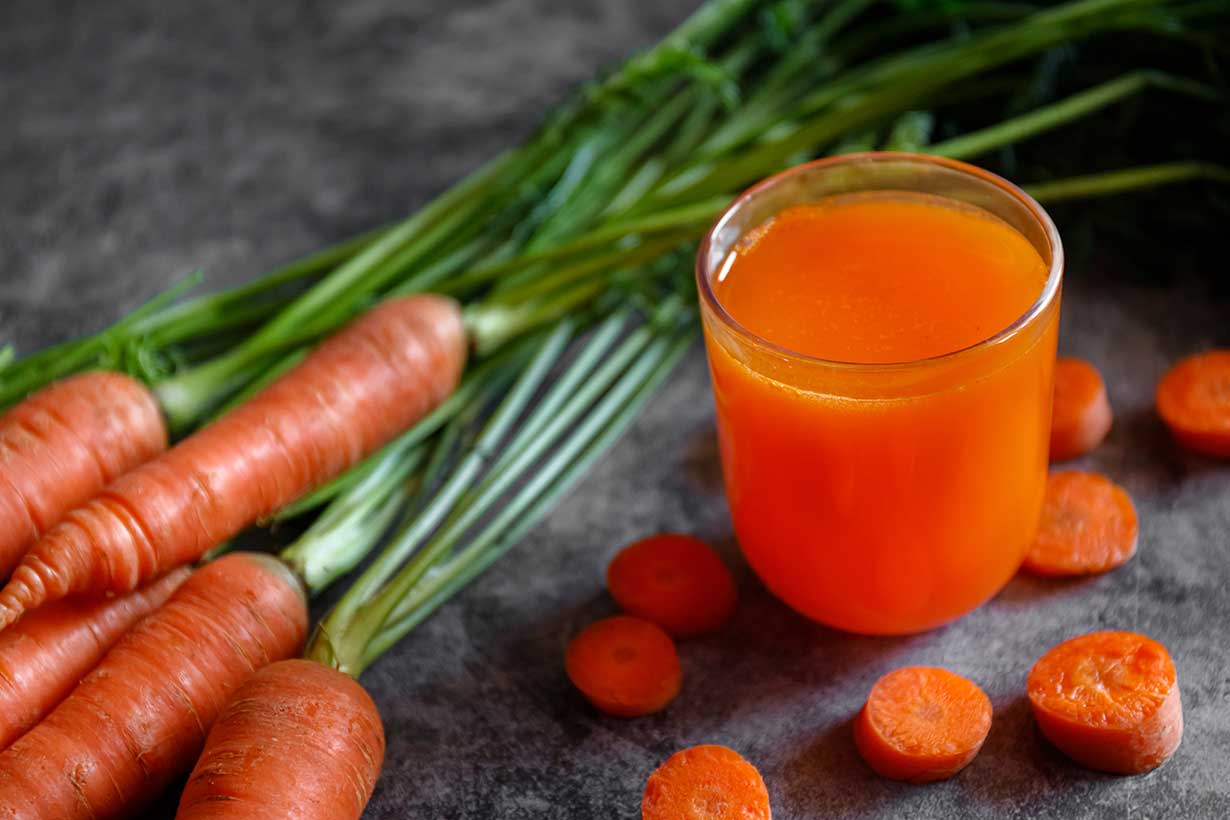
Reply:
x=141, y=139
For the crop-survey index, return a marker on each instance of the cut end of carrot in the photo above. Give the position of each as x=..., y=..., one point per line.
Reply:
x=1081, y=415
x=1109, y=700
x=706, y=783
x=625, y=666
x=1193, y=399
x=676, y=581
x=921, y=724
x=1088, y=526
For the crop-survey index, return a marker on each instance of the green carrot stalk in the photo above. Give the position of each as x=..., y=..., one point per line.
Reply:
x=374, y=597
x=521, y=515
x=898, y=83
x=1065, y=111
x=1127, y=179
x=492, y=374
x=182, y=321
x=105, y=349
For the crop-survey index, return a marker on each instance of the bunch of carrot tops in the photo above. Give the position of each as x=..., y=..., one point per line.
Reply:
x=443, y=436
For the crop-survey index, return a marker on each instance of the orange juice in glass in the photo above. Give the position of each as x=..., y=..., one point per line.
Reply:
x=881, y=335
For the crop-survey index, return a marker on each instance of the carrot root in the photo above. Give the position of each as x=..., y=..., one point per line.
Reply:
x=43, y=657
x=62, y=445
x=356, y=391
x=298, y=741
x=1109, y=700
x=140, y=718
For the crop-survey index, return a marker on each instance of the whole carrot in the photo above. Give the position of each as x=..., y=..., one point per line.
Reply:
x=63, y=444
x=139, y=719
x=354, y=393
x=43, y=657
x=297, y=710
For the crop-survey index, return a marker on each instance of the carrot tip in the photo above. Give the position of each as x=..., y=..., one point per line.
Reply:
x=24, y=591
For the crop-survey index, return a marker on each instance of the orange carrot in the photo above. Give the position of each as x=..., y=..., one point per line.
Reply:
x=1081, y=414
x=625, y=666
x=1088, y=526
x=299, y=741
x=1193, y=399
x=351, y=395
x=138, y=721
x=43, y=657
x=922, y=724
x=676, y=581
x=706, y=783
x=1109, y=701
x=60, y=446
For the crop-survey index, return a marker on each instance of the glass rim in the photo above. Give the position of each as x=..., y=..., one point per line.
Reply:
x=1049, y=290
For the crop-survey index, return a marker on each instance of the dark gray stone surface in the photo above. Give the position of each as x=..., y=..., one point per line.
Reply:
x=140, y=139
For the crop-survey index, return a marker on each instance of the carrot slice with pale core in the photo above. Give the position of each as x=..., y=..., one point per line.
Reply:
x=1109, y=701
x=1088, y=525
x=706, y=783
x=922, y=724
x=1193, y=399
x=1081, y=415
x=625, y=666
x=676, y=581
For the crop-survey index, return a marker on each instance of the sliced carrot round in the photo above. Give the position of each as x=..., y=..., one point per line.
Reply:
x=1088, y=526
x=1193, y=399
x=922, y=724
x=706, y=783
x=676, y=581
x=1109, y=701
x=625, y=666
x=1081, y=414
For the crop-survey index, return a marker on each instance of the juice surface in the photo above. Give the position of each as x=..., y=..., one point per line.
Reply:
x=883, y=501
x=880, y=279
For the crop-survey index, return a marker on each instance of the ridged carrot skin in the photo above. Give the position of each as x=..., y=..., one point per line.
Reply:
x=63, y=444
x=355, y=392
x=299, y=741
x=43, y=657
x=139, y=720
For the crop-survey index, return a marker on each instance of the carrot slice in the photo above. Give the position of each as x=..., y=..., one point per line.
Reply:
x=676, y=581
x=1109, y=701
x=1081, y=414
x=706, y=783
x=1193, y=399
x=625, y=666
x=922, y=724
x=1088, y=526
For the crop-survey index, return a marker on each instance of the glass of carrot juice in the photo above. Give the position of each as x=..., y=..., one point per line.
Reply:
x=881, y=335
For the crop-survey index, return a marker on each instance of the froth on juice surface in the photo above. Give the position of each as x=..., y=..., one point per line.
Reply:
x=874, y=496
